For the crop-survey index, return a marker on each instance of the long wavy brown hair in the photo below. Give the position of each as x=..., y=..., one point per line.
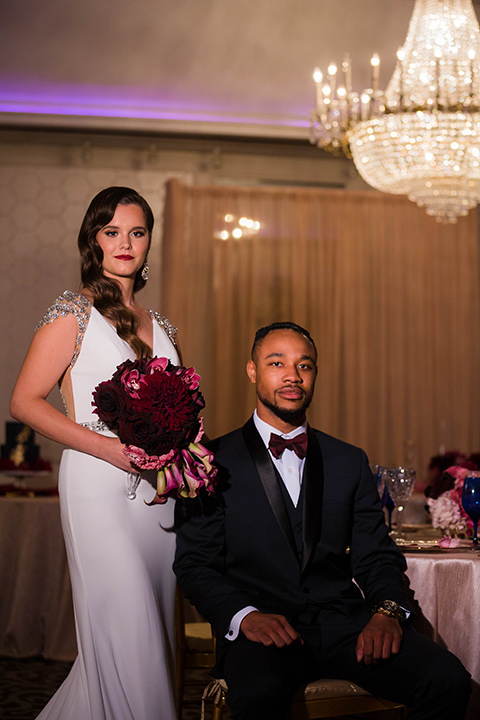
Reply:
x=107, y=292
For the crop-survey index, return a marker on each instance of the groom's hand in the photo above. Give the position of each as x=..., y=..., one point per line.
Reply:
x=379, y=639
x=269, y=629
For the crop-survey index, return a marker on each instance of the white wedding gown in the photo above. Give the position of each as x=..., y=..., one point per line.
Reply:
x=120, y=553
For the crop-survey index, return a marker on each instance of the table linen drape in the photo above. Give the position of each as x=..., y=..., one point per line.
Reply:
x=36, y=612
x=447, y=588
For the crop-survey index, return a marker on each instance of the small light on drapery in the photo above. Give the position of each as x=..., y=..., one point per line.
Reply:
x=421, y=136
x=245, y=227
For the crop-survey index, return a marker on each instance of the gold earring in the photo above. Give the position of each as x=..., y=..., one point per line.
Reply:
x=145, y=270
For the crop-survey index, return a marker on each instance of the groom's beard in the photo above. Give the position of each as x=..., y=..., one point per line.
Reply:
x=288, y=415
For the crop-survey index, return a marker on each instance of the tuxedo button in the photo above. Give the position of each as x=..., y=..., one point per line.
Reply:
x=298, y=528
x=230, y=632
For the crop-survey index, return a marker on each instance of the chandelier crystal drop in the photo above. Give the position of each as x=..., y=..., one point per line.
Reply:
x=421, y=137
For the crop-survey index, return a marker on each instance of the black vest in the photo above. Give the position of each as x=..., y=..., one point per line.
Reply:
x=295, y=514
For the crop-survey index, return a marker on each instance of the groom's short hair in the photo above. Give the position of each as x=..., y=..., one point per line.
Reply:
x=262, y=333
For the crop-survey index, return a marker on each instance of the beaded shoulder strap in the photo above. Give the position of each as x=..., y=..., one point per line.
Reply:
x=70, y=303
x=170, y=329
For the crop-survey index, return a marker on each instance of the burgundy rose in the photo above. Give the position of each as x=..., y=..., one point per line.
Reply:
x=137, y=429
x=110, y=403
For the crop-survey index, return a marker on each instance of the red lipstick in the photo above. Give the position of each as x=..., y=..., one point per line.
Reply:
x=123, y=257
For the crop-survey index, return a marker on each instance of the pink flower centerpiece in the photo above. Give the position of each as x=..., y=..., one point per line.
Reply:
x=446, y=508
x=153, y=406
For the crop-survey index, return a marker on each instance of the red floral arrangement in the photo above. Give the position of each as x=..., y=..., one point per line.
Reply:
x=444, y=496
x=38, y=465
x=153, y=406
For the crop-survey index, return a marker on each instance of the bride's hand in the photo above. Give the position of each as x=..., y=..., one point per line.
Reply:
x=113, y=454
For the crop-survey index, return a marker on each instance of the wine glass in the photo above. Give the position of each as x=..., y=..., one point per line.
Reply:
x=471, y=502
x=399, y=483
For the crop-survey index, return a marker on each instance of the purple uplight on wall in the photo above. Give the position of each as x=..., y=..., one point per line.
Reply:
x=127, y=102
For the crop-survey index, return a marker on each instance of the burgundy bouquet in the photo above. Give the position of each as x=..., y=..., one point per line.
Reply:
x=153, y=406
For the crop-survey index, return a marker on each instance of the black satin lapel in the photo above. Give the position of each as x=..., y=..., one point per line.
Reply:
x=312, y=510
x=266, y=472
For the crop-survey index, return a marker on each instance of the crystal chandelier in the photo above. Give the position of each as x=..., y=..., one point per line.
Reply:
x=338, y=107
x=421, y=137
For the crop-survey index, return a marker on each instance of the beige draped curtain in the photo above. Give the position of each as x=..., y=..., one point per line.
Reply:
x=390, y=296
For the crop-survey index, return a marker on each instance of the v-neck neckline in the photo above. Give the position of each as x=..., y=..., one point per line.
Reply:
x=112, y=326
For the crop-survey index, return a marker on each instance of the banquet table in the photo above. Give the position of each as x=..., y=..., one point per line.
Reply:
x=36, y=613
x=446, y=586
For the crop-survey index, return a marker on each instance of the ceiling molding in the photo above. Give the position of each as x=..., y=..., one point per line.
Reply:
x=147, y=125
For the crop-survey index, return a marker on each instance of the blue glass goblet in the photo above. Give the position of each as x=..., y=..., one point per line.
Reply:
x=378, y=472
x=471, y=502
x=389, y=505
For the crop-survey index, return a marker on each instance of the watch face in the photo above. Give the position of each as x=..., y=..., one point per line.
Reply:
x=396, y=609
x=390, y=607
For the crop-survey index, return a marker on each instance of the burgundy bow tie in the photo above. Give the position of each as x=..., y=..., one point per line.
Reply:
x=298, y=444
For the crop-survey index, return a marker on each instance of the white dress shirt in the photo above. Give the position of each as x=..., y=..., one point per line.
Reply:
x=290, y=467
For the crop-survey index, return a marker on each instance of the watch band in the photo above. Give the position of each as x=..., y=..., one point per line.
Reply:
x=390, y=608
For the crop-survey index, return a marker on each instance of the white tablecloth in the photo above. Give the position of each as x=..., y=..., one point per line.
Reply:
x=36, y=613
x=447, y=588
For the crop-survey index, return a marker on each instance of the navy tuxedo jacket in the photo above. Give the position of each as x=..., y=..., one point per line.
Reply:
x=236, y=548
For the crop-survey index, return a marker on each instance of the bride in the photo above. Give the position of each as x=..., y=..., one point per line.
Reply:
x=120, y=551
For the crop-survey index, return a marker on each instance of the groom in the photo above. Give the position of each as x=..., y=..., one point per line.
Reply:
x=269, y=560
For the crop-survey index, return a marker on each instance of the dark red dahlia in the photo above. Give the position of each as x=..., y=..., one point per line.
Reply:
x=167, y=401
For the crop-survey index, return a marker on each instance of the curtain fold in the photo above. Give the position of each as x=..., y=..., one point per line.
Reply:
x=390, y=296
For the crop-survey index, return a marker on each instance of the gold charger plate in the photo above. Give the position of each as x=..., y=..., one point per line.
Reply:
x=432, y=546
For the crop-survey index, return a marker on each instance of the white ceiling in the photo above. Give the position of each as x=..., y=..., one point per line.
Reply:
x=240, y=66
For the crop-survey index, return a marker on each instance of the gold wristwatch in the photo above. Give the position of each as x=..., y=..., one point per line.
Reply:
x=390, y=608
